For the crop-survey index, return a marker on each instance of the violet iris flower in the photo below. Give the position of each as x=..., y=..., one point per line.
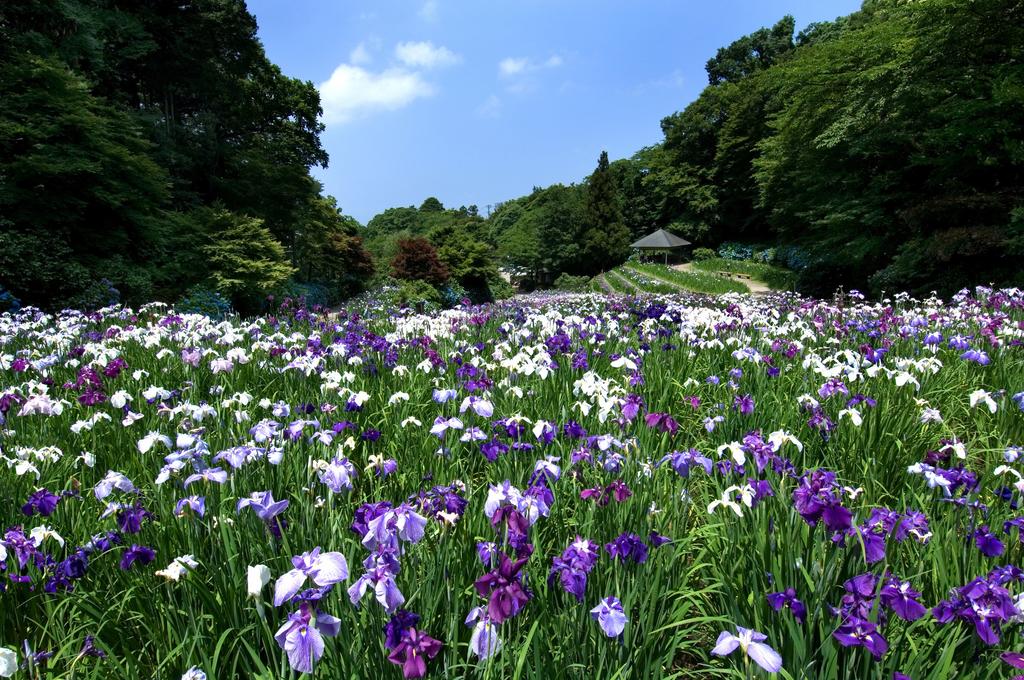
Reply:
x=338, y=475
x=263, y=504
x=137, y=554
x=42, y=501
x=504, y=589
x=301, y=636
x=787, y=598
x=381, y=580
x=610, y=616
x=484, y=641
x=751, y=643
x=413, y=652
x=323, y=569
x=195, y=503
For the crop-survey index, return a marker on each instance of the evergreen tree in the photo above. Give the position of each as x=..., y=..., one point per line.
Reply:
x=606, y=239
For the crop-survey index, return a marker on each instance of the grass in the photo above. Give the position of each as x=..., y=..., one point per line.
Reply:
x=774, y=277
x=697, y=282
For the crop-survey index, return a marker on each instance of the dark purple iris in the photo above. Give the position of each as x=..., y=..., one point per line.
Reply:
x=137, y=554
x=503, y=588
x=788, y=599
x=628, y=547
x=397, y=625
x=42, y=501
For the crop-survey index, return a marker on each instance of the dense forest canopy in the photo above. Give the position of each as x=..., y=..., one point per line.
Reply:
x=883, y=150
x=139, y=138
x=150, y=150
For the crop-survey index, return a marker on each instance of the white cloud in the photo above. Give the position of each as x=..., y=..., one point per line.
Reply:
x=352, y=91
x=428, y=10
x=491, y=108
x=515, y=66
x=360, y=55
x=511, y=67
x=425, y=55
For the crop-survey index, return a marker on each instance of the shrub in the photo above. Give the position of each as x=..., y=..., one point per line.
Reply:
x=573, y=284
x=311, y=294
x=418, y=294
x=8, y=302
x=97, y=295
x=202, y=300
x=500, y=288
x=701, y=254
x=452, y=294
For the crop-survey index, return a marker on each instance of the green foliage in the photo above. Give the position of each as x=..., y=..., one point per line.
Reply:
x=201, y=300
x=751, y=53
x=701, y=254
x=573, y=284
x=329, y=250
x=119, y=120
x=606, y=238
x=500, y=288
x=774, y=277
x=882, y=148
x=418, y=294
x=657, y=278
x=244, y=262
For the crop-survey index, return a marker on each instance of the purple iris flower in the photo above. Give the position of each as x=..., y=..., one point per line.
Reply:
x=751, y=643
x=504, y=589
x=302, y=636
x=628, y=547
x=324, y=569
x=744, y=403
x=898, y=596
x=129, y=519
x=631, y=406
x=572, y=567
x=401, y=621
x=381, y=580
x=267, y=509
x=857, y=632
x=338, y=475
x=682, y=461
x=195, y=503
x=610, y=616
x=413, y=652
x=788, y=598
x=263, y=504
x=401, y=523
x=662, y=422
x=215, y=475
x=137, y=554
x=42, y=501
x=987, y=542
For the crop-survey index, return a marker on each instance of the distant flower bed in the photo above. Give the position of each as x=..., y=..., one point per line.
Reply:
x=654, y=486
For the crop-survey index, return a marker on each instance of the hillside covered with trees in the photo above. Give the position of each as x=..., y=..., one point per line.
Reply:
x=152, y=151
x=883, y=150
x=149, y=149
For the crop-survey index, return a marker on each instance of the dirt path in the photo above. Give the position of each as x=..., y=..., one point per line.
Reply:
x=755, y=286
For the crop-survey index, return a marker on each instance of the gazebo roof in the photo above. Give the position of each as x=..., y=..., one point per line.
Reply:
x=661, y=239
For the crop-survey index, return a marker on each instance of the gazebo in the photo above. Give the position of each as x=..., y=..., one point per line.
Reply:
x=660, y=241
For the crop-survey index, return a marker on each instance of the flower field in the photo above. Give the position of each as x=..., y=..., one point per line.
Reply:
x=566, y=486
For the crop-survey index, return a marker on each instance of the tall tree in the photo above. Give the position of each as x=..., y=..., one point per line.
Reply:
x=606, y=239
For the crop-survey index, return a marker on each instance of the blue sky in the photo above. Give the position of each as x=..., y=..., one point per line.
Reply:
x=478, y=101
